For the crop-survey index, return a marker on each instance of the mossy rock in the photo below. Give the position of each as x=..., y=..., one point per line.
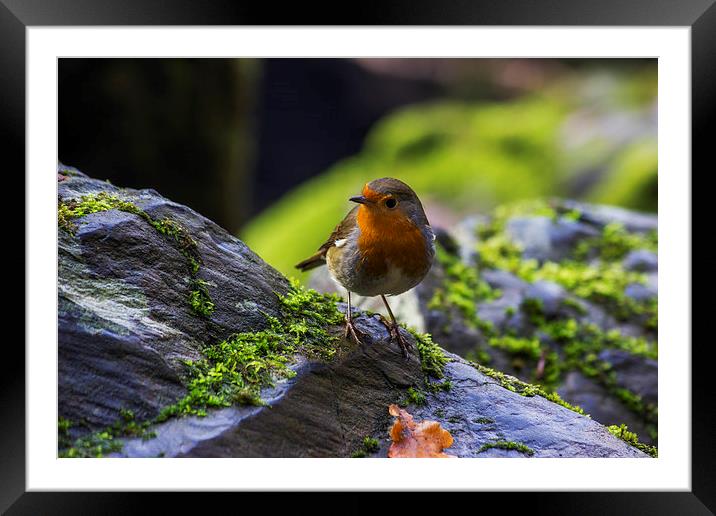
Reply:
x=560, y=294
x=266, y=371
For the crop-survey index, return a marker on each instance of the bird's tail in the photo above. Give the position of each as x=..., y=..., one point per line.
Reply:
x=312, y=262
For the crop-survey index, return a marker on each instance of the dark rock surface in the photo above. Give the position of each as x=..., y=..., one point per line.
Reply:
x=124, y=320
x=544, y=239
x=327, y=409
x=126, y=328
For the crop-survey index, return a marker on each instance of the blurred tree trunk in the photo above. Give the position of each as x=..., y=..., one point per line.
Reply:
x=182, y=126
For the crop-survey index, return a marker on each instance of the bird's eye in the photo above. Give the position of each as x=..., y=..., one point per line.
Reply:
x=391, y=203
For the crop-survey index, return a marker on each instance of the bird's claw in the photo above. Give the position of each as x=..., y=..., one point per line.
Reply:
x=353, y=332
x=405, y=345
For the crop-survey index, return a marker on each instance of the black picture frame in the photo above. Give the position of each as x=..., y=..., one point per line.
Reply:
x=17, y=15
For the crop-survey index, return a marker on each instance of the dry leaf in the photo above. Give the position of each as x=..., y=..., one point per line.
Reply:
x=421, y=439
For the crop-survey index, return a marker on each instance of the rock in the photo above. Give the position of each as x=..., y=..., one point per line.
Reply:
x=641, y=260
x=640, y=292
x=507, y=321
x=326, y=409
x=634, y=373
x=550, y=295
x=503, y=280
x=596, y=401
x=601, y=215
x=465, y=236
x=544, y=239
x=126, y=327
x=125, y=324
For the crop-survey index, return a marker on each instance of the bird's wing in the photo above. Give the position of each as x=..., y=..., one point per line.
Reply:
x=340, y=232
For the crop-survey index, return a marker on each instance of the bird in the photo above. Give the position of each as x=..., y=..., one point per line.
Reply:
x=383, y=247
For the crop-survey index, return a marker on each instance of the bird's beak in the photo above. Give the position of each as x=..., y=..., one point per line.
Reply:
x=359, y=199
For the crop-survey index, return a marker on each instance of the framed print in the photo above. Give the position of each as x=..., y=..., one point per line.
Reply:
x=419, y=234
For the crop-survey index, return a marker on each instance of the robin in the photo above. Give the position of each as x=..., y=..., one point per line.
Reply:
x=383, y=247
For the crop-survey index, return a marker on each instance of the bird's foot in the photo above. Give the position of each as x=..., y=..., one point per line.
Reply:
x=395, y=335
x=353, y=332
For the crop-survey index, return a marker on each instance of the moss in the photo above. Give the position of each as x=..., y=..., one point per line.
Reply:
x=575, y=305
x=414, y=397
x=533, y=308
x=435, y=387
x=525, y=389
x=483, y=421
x=97, y=444
x=369, y=446
x=185, y=243
x=102, y=442
x=603, y=282
x=432, y=357
x=615, y=243
x=580, y=344
x=199, y=298
x=508, y=445
x=235, y=370
x=623, y=433
x=462, y=289
x=517, y=345
x=91, y=203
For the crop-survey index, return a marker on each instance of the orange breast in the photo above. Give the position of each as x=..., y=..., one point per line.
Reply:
x=390, y=237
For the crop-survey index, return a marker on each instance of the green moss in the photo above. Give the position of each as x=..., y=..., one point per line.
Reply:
x=534, y=310
x=183, y=240
x=97, y=444
x=435, y=387
x=68, y=211
x=575, y=305
x=483, y=421
x=63, y=426
x=102, y=442
x=508, y=445
x=236, y=369
x=623, y=433
x=603, y=282
x=525, y=389
x=615, y=243
x=90, y=203
x=462, y=289
x=579, y=344
x=199, y=298
x=369, y=446
x=414, y=397
x=517, y=345
x=432, y=357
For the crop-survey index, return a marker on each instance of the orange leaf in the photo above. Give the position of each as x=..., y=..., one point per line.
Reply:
x=421, y=439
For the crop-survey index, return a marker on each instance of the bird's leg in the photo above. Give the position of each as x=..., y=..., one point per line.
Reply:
x=394, y=330
x=351, y=330
x=540, y=365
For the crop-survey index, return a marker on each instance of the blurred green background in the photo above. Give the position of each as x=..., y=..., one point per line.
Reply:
x=272, y=149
